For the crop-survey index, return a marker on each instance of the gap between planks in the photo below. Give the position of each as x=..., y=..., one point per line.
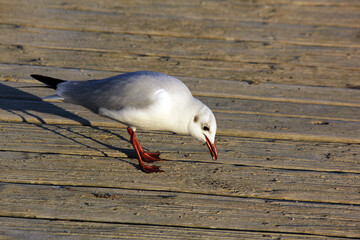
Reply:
x=21, y=228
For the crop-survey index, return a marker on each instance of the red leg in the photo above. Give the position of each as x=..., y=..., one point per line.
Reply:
x=149, y=157
x=140, y=152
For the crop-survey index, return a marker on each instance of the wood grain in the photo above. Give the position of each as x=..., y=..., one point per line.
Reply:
x=128, y=18
x=113, y=142
x=20, y=228
x=177, y=209
x=200, y=68
x=275, y=53
x=300, y=56
x=199, y=87
x=271, y=124
x=189, y=175
x=252, y=103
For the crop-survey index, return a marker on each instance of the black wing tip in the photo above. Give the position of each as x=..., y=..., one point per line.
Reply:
x=35, y=76
x=42, y=77
x=38, y=76
x=51, y=82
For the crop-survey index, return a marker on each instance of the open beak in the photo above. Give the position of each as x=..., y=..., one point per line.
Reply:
x=212, y=148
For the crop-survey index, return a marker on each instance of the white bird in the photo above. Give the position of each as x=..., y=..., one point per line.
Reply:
x=146, y=100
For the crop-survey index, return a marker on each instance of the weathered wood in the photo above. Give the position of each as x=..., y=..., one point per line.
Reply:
x=177, y=209
x=230, y=122
x=230, y=53
x=295, y=64
x=273, y=106
x=302, y=12
x=182, y=175
x=115, y=61
x=41, y=229
x=261, y=11
x=162, y=46
x=158, y=21
x=92, y=141
x=199, y=87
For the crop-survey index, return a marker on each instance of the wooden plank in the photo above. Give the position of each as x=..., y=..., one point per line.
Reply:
x=276, y=107
x=200, y=87
x=178, y=209
x=199, y=68
x=235, y=123
x=25, y=228
x=331, y=13
x=123, y=18
x=162, y=46
x=93, y=141
x=287, y=128
x=269, y=123
x=189, y=175
x=241, y=151
x=323, y=2
x=318, y=11
x=115, y=61
x=314, y=13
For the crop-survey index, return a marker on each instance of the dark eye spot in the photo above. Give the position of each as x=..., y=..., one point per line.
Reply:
x=206, y=128
x=196, y=118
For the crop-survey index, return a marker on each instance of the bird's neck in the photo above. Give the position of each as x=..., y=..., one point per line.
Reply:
x=192, y=109
x=185, y=114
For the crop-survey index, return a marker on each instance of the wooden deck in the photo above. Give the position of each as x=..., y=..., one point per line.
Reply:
x=281, y=76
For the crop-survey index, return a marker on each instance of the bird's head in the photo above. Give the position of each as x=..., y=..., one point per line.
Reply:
x=202, y=126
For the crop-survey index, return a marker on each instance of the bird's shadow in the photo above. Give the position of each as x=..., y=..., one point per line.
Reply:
x=24, y=104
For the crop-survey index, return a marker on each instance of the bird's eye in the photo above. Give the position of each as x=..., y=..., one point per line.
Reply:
x=206, y=128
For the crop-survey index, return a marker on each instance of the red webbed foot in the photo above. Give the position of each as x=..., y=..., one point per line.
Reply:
x=151, y=169
x=150, y=157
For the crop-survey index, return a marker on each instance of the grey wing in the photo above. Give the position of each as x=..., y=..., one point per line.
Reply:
x=113, y=93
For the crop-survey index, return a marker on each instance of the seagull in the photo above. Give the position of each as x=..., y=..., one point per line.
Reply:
x=146, y=100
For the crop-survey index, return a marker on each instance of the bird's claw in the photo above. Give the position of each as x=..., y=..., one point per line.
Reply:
x=151, y=157
x=151, y=169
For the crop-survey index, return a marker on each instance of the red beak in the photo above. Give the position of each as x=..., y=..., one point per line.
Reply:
x=212, y=148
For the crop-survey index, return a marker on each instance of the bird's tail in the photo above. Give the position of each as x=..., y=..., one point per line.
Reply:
x=51, y=82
